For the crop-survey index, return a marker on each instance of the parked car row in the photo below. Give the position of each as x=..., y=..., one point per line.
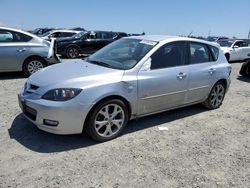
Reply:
x=77, y=41
x=86, y=42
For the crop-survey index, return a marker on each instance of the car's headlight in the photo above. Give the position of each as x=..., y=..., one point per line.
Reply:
x=61, y=94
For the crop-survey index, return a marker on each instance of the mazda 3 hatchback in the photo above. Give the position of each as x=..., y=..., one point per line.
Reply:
x=131, y=77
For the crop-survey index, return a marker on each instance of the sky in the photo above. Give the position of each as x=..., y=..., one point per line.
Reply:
x=171, y=17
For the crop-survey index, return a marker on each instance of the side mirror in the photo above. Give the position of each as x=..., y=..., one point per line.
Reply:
x=236, y=46
x=147, y=65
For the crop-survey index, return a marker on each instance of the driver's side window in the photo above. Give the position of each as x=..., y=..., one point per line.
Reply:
x=169, y=55
x=239, y=44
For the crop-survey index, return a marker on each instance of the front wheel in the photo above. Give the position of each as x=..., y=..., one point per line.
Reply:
x=73, y=52
x=216, y=96
x=107, y=120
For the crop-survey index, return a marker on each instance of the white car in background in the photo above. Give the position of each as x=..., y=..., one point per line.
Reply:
x=235, y=49
x=59, y=34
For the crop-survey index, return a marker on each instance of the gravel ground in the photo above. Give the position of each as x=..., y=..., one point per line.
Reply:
x=200, y=148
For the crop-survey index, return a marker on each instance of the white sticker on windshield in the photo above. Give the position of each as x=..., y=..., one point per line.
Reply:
x=148, y=42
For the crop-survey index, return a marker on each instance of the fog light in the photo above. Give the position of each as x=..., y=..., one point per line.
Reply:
x=50, y=122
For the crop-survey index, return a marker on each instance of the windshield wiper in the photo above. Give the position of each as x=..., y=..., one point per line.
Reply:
x=99, y=63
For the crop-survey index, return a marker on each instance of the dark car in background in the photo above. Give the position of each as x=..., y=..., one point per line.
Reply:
x=86, y=42
x=215, y=39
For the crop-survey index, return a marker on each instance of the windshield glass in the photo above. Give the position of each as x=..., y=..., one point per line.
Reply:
x=212, y=39
x=122, y=54
x=45, y=34
x=36, y=30
x=79, y=35
x=225, y=43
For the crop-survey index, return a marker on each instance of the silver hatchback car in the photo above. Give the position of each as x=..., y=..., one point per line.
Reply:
x=22, y=51
x=129, y=78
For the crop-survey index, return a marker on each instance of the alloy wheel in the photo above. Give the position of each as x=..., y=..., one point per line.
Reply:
x=34, y=66
x=73, y=53
x=217, y=95
x=109, y=120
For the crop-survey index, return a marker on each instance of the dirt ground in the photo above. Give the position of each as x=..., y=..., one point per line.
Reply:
x=199, y=148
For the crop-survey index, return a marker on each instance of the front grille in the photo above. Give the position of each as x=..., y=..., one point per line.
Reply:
x=29, y=112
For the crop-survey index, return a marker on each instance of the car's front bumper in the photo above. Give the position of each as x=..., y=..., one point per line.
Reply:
x=70, y=115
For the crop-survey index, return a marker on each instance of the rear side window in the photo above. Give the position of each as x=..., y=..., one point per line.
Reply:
x=67, y=34
x=11, y=36
x=199, y=53
x=19, y=37
x=6, y=36
x=215, y=52
x=103, y=35
x=169, y=55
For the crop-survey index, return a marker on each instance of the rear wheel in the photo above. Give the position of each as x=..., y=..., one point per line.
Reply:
x=32, y=65
x=73, y=52
x=216, y=96
x=107, y=120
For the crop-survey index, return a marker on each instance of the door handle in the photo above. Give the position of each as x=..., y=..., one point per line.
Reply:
x=181, y=75
x=21, y=50
x=211, y=70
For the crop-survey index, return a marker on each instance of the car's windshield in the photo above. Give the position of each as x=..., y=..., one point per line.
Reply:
x=212, y=39
x=36, y=30
x=225, y=43
x=45, y=34
x=79, y=35
x=122, y=54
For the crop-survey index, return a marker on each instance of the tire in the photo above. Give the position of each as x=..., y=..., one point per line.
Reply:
x=227, y=57
x=33, y=64
x=245, y=69
x=73, y=52
x=216, y=96
x=103, y=124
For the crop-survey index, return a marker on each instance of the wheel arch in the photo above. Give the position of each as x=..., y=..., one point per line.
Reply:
x=34, y=56
x=123, y=99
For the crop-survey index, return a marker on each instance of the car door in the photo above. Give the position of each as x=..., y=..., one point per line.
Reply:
x=202, y=72
x=244, y=50
x=164, y=86
x=88, y=43
x=236, y=53
x=102, y=39
x=13, y=49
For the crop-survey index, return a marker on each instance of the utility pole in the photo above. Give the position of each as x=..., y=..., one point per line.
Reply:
x=249, y=34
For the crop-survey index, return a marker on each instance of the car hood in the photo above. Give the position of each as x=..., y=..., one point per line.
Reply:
x=74, y=74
